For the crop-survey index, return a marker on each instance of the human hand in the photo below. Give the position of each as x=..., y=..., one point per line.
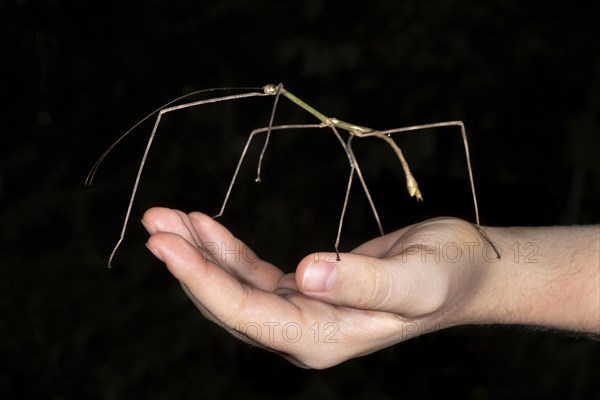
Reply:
x=387, y=290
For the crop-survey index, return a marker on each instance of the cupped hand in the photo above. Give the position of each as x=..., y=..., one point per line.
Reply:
x=419, y=279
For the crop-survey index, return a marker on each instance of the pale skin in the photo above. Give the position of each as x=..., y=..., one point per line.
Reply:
x=425, y=277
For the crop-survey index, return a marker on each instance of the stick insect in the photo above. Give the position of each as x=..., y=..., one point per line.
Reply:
x=333, y=124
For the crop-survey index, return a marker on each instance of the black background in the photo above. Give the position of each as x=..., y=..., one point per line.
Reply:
x=523, y=76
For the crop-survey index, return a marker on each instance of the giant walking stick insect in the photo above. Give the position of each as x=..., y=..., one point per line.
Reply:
x=332, y=124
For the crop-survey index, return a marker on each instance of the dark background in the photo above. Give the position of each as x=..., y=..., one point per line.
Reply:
x=523, y=76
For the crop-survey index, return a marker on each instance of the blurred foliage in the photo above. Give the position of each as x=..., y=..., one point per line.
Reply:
x=524, y=76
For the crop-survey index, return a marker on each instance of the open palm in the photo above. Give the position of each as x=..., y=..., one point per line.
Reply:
x=383, y=292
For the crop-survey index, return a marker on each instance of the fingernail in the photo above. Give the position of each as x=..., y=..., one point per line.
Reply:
x=149, y=227
x=155, y=252
x=319, y=277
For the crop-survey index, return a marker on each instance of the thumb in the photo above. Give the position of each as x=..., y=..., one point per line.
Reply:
x=406, y=287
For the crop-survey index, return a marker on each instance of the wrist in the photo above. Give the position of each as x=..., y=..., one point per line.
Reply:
x=546, y=276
